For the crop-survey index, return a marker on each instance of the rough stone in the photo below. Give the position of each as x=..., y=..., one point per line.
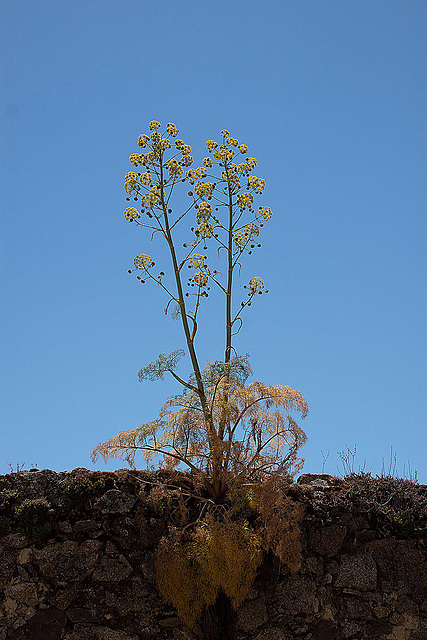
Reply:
x=130, y=597
x=314, y=565
x=378, y=629
x=115, y=501
x=68, y=560
x=174, y=621
x=76, y=587
x=7, y=567
x=47, y=625
x=324, y=630
x=273, y=634
x=356, y=608
x=328, y=540
x=252, y=615
x=297, y=595
x=86, y=527
x=24, y=556
x=310, y=478
x=349, y=628
x=421, y=632
x=381, y=612
x=399, y=561
x=89, y=632
x=112, y=570
x=83, y=615
x=22, y=592
x=183, y=634
x=357, y=572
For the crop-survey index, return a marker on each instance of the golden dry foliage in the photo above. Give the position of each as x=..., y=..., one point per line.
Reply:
x=281, y=518
x=192, y=569
x=164, y=501
x=254, y=433
x=232, y=557
x=180, y=580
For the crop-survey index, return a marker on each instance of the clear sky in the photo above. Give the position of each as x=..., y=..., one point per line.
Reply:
x=329, y=95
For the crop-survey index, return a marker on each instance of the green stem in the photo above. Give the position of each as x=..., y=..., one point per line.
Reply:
x=229, y=323
x=214, y=445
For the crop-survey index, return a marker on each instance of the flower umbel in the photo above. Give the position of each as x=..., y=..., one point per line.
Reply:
x=131, y=214
x=256, y=284
x=143, y=261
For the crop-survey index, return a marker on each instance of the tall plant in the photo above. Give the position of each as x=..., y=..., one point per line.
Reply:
x=221, y=426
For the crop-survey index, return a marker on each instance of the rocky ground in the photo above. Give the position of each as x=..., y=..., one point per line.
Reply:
x=77, y=553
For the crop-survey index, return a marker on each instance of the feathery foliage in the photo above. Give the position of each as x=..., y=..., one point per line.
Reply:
x=192, y=569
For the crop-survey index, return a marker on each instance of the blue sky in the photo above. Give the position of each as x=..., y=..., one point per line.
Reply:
x=329, y=96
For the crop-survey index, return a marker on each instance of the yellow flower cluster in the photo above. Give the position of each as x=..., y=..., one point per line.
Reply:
x=207, y=162
x=174, y=168
x=150, y=157
x=194, y=174
x=264, y=213
x=155, y=136
x=197, y=261
x=145, y=178
x=184, y=148
x=131, y=183
x=256, y=284
x=225, y=133
x=151, y=199
x=257, y=184
x=232, y=179
x=201, y=172
x=131, y=214
x=211, y=145
x=241, y=238
x=201, y=278
x=187, y=161
x=244, y=200
x=204, y=230
x=191, y=176
x=243, y=168
x=223, y=154
x=136, y=159
x=204, y=189
x=203, y=212
x=243, y=148
x=251, y=162
x=143, y=261
x=164, y=144
x=252, y=229
x=142, y=140
x=171, y=129
x=154, y=125
x=232, y=142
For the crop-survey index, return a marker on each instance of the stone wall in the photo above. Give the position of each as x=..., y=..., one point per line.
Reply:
x=77, y=555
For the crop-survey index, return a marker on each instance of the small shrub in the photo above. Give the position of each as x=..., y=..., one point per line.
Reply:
x=82, y=489
x=33, y=519
x=399, y=503
x=7, y=498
